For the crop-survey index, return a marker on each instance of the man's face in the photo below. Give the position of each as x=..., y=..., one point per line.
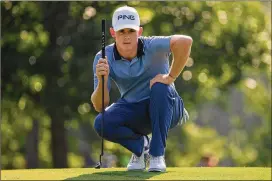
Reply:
x=127, y=38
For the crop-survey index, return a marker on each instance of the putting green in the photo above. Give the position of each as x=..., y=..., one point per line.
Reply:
x=204, y=173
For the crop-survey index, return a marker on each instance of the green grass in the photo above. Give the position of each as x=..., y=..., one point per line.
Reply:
x=204, y=173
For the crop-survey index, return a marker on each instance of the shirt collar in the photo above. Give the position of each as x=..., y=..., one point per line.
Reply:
x=140, y=50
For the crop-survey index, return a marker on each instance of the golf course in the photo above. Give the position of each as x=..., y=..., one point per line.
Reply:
x=172, y=173
x=92, y=89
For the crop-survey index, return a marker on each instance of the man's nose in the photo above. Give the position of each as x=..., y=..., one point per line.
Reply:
x=127, y=37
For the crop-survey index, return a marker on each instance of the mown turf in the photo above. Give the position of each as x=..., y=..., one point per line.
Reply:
x=218, y=173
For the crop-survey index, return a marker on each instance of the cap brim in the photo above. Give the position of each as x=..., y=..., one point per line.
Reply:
x=135, y=27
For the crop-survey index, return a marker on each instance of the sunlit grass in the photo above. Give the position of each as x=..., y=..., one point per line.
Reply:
x=219, y=173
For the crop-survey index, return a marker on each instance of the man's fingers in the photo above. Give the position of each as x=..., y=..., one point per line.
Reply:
x=150, y=84
x=103, y=60
x=152, y=81
x=103, y=72
x=161, y=78
x=102, y=69
x=156, y=79
x=102, y=65
x=158, y=76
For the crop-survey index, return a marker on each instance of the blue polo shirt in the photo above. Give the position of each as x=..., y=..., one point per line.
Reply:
x=133, y=77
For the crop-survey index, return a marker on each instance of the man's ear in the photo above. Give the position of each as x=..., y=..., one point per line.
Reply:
x=112, y=32
x=140, y=31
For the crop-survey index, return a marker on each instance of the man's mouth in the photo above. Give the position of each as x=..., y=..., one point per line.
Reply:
x=126, y=43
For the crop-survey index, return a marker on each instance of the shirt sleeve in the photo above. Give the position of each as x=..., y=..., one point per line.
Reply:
x=160, y=44
x=97, y=57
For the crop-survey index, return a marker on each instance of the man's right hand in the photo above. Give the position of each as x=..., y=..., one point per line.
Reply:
x=102, y=68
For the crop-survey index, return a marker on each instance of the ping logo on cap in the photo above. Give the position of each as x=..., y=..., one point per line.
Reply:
x=130, y=17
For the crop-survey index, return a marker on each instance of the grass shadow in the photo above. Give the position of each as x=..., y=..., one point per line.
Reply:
x=116, y=175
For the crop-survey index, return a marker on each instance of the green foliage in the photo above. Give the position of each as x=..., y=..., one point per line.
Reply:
x=47, y=56
x=185, y=148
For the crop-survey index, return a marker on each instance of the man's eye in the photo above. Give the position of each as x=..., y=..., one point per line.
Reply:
x=131, y=30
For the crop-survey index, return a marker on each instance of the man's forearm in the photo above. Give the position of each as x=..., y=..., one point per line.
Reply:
x=96, y=97
x=181, y=49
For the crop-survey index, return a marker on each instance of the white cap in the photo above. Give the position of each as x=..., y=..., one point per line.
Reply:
x=125, y=17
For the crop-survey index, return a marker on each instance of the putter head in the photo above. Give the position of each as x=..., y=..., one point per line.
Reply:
x=98, y=165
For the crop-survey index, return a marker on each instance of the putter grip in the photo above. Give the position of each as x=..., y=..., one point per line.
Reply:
x=103, y=38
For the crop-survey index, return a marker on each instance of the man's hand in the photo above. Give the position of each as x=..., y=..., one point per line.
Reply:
x=162, y=78
x=102, y=68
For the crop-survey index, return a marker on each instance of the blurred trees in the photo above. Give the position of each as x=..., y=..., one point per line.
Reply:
x=46, y=80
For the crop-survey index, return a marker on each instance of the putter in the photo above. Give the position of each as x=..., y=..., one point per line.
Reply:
x=99, y=164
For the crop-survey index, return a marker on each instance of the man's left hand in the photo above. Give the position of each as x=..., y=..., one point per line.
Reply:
x=162, y=78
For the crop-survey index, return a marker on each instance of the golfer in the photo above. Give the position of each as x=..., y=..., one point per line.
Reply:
x=149, y=103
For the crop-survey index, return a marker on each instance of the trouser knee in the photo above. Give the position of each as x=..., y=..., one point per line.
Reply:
x=159, y=89
x=98, y=124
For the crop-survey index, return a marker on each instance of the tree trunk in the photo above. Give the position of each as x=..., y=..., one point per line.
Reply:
x=59, y=144
x=56, y=15
x=32, y=157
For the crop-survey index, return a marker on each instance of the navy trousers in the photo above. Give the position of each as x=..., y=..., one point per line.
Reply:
x=126, y=123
